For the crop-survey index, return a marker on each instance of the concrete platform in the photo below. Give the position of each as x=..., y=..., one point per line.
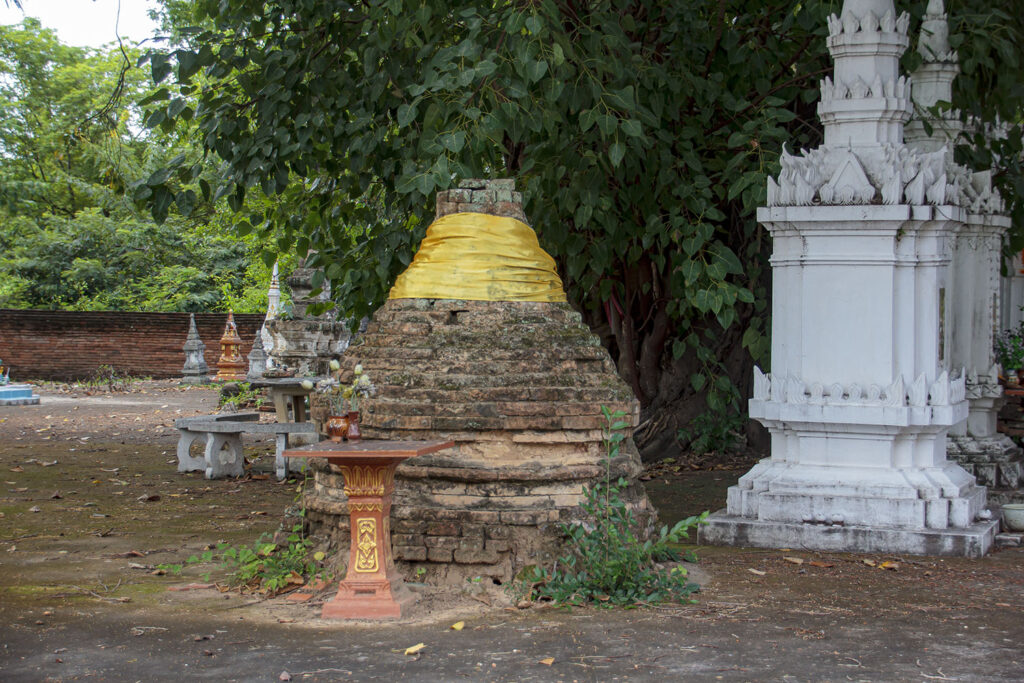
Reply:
x=18, y=395
x=725, y=529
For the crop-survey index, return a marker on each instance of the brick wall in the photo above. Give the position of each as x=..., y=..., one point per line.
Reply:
x=65, y=345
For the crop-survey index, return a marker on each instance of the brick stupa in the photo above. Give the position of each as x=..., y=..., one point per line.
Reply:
x=518, y=385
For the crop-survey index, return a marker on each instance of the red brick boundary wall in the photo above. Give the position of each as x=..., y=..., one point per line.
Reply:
x=66, y=345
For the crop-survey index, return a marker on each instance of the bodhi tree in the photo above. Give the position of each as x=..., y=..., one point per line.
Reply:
x=640, y=132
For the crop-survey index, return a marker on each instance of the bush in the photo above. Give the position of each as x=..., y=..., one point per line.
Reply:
x=607, y=563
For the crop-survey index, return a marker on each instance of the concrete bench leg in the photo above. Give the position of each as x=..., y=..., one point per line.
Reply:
x=281, y=462
x=224, y=456
x=186, y=462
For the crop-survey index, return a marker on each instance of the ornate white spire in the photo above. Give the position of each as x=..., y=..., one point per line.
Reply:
x=864, y=107
x=866, y=102
x=273, y=295
x=933, y=80
x=933, y=43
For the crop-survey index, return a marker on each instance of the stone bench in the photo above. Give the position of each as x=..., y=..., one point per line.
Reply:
x=222, y=456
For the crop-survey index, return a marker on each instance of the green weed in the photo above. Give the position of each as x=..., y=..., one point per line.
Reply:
x=607, y=564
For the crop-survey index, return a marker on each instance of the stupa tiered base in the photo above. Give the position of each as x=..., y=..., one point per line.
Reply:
x=371, y=589
x=725, y=529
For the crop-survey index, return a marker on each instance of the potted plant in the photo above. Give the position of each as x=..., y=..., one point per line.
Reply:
x=336, y=424
x=343, y=400
x=361, y=387
x=1009, y=348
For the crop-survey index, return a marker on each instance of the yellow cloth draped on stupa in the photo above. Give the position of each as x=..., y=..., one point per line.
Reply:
x=480, y=257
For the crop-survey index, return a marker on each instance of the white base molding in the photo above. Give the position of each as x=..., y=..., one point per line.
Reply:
x=725, y=529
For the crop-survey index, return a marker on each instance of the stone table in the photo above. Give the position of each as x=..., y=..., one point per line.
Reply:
x=371, y=588
x=288, y=392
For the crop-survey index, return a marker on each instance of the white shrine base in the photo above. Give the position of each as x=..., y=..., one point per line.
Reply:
x=857, y=487
x=725, y=529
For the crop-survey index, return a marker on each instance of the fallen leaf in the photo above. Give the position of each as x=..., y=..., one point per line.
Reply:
x=819, y=563
x=286, y=620
x=415, y=648
x=458, y=626
x=56, y=496
x=319, y=556
x=547, y=661
x=35, y=508
x=888, y=564
x=757, y=572
x=285, y=676
x=48, y=464
x=17, y=468
x=794, y=560
x=870, y=563
x=148, y=499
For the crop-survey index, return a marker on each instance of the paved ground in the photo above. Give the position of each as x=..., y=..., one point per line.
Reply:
x=79, y=601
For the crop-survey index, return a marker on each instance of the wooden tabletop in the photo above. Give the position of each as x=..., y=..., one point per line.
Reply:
x=371, y=447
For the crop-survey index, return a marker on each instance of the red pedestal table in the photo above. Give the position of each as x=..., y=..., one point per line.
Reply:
x=371, y=588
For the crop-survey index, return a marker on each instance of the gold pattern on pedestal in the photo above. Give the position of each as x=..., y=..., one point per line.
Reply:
x=366, y=559
x=365, y=507
x=366, y=480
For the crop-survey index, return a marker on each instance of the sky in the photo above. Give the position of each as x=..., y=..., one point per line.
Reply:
x=86, y=23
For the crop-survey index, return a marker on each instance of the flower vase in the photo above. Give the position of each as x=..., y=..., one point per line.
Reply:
x=337, y=427
x=353, y=426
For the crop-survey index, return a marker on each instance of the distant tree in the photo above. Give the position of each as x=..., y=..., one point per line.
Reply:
x=72, y=143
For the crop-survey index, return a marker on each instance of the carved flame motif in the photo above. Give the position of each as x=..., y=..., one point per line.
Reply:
x=366, y=480
x=366, y=545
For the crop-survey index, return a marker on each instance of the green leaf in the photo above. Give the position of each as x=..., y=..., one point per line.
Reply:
x=616, y=152
x=631, y=127
x=406, y=115
x=161, y=66
x=535, y=70
x=607, y=124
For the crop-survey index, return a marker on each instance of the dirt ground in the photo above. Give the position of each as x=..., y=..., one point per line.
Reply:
x=91, y=503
